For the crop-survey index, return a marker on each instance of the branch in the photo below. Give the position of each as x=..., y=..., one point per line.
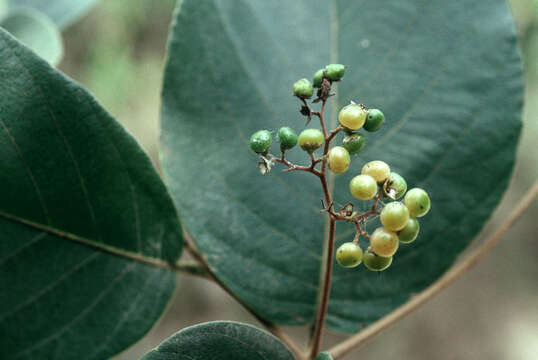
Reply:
x=447, y=279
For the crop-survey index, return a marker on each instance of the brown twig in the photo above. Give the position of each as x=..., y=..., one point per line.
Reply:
x=446, y=280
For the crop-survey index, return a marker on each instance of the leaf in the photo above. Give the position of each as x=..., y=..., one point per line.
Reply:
x=62, y=12
x=76, y=191
x=3, y=9
x=324, y=356
x=36, y=31
x=220, y=340
x=451, y=90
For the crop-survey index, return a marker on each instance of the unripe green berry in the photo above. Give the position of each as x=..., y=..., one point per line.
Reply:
x=417, y=201
x=354, y=143
x=311, y=139
x=338, y=160
x=374, y=120
x=384, y=242
x=410, y=232
x=377, y=169
x=363, y=187
x=394, y=216
x=318, y=78
x=303, y=89
x=261, y=141
x=375, y=262
x=287, y=138
x=335, y=72
x=349, y=255
x=352, y=116
x=395, y=186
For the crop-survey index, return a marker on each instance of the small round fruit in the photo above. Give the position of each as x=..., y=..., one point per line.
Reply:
x=261, y=141
x=349, y=255
x=395, y=186
x=374, y=262
x=377, y=169
x=310, y=140
x=287, y=138
x=410, y=232
x=303, y=89
x=417, y=201
x=363, y=187
x=394, y=216
x=354, y=143
x=374, y=120
x=318, y=78
x=338, y=160
x=384, y=242
x=352, y=116
x=335, y=72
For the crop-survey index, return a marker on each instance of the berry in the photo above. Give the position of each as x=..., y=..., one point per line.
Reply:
x=410, y=232
x=417, y=201
x=310, y=140
x=377, y=169
x=349, y=255
x=354, y=143
x=375, y=262
x=395, y=186
x=287, y=138
x=363, y=187
x=261, y=141
x=338, y=160
x=374, y=120
x=335, y=72
x=303, y=89
x=384, y=242
x=394, y=216
x=318, y=78
x=352, y=116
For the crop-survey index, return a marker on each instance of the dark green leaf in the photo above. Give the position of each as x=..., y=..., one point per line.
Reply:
x=447, y=76
x=74, y=187
x=324, y=356
x=221, y=340
x=36, y=31
x=62, y=12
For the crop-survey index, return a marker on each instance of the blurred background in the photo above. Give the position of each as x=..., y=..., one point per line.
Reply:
x=118, y=51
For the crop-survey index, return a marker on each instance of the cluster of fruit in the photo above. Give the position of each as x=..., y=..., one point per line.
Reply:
x=376, y=181
x=399, y=219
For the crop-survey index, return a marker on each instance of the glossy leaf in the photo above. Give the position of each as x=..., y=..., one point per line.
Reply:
x=36, y=31
x=324, y=356
x=75, y=188
x=221, y=340
x=450, y=87
x=62, y=12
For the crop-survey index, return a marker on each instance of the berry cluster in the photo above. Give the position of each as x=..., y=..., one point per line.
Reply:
x=376, y=181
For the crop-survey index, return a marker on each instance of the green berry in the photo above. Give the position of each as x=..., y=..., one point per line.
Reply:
x=303, y=89
x=377, y=169
x=363, y=187
x=394, y=216
x=375, y=262
x=384, y=242
x=354, y=143
x=287, y=138
x=349, y=255
x=261, y=141
x=374, y=120
x=410, y=232
x=352, y=116
x=338, y=160
x=310, y=140
x=318, y=78
x=335, y=72
x=417, y=201
x=395, y=186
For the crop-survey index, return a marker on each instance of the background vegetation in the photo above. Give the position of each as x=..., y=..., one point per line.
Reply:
x=117, y=51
